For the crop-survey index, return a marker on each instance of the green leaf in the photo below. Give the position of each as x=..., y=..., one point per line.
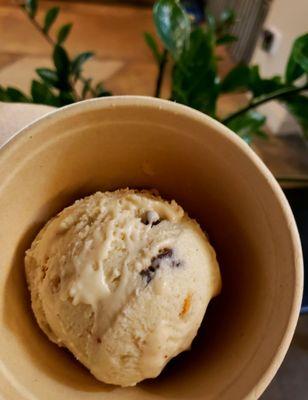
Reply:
x=3, y=95
x=223, y=26
x=41, y=94
x=151, y=42
x=100, y=90
x=227, y=18
x=16, y=96
x=62, y=64
x=194, y=75
x=86, y=87
x=65, y=98
x=79, y=60
x=172, y=25
x=225, y=39
x=301, y=52
x=293, y=70
x=298, y=107
x=211, y=22
x=248, y=125
x=63, y=33
x=260, y=86
x=31, y=7
x=237, y=79
x=298, y=60
x=50, y=18
x=49, y=76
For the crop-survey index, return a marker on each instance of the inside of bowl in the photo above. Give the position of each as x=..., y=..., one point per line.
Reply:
x=75, y=153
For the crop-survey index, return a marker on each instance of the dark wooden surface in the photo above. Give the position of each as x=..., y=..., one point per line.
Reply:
x=113, y=30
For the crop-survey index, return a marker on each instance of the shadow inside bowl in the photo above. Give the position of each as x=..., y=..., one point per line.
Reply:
x=222, y=325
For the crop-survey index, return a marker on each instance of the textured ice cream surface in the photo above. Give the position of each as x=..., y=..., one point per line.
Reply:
x=122, y=279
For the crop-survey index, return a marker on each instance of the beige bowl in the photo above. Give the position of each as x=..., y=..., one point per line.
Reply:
x=143, y=142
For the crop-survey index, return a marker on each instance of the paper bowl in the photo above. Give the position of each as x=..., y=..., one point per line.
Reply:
x=141, y=142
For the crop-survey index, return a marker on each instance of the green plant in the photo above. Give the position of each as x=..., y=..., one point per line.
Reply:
x=57, y=86
x=195, y=80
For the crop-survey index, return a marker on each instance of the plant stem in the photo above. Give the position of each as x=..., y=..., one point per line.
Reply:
x=161, y=72
x=84, y=80
x=53, y=44
x=263, y=99
x=38, y=26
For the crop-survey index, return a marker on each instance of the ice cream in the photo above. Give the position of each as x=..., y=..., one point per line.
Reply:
x=122, y=279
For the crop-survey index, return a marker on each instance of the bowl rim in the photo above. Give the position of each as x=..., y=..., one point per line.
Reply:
x=145, y=101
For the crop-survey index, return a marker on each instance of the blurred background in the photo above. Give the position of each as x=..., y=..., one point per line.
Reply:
x=266, y=30
x=114, y=29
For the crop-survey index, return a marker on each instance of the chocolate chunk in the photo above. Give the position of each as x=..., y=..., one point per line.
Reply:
x=150, y=217
x=168, y=253
x=176, y=263
x=144, y=221
x=98, y=340
x=164, y=253
x=149, y=273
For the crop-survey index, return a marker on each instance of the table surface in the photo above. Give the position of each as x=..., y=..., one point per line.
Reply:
x=113, y=31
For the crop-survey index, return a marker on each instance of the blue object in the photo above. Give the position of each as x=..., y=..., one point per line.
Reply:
x=195, y=8
x=298, y=199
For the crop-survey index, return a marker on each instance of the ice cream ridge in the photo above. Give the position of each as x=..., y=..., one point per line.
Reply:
x=122, y=279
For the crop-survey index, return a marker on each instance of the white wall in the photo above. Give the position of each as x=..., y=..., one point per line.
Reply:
x=290, y=19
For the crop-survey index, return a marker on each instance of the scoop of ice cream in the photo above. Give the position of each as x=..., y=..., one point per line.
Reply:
x=122, y=279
